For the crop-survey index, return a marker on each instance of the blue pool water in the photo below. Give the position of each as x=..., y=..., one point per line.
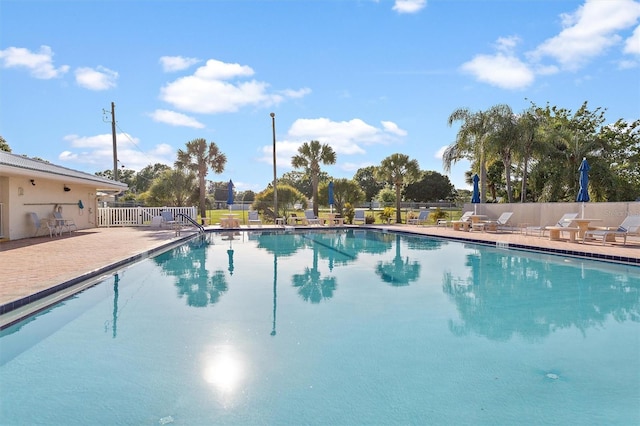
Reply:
x=340, y=327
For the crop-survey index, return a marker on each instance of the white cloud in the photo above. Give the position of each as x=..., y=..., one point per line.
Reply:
x=500, y=70
x=345, y=137
x=100, y=78
x=632, y=44
x=214, y=88
x=409, y=6
x=100, y=141
x=176, y=63
x=440, y=153
x=589, y=32
x=507, y=44
x=294, y=94
x=218, y=70
x=39, y=64
x=175, y=119
x=392, y=127
x=97, y=152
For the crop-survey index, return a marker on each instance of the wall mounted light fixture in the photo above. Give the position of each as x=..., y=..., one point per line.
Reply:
x=33, y=182
x=66, y=188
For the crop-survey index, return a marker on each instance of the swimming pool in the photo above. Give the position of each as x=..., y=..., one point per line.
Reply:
x=335, y=327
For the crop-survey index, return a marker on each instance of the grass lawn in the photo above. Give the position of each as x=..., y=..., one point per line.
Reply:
x=215, y=215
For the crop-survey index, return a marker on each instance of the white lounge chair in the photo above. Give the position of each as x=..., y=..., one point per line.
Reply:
x=254, y=218
x=42, y=224
x=422, y=218
x=64, y=224
x=359, y=216
x=629, y=226
x=310, y=218
x=563, y=222
x=500, y=224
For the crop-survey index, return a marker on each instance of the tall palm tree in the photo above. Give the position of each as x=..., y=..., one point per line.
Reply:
x=503, y=141
x=529, y=142
x=309, y=157
x=398, y=169
x=471, y=142
x=199, y=157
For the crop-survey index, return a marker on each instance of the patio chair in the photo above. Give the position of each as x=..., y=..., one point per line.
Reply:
x=563, y=222
x=463, y=223
x=359, y=216
x=500, y=224
x=423, y=217
x=169, y=220
x=63, y=224
x=310, y=218
x=629, y=226
x=42, y=224
x=254, y=218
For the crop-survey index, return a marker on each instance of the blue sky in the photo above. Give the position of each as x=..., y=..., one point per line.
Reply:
x=370, y=78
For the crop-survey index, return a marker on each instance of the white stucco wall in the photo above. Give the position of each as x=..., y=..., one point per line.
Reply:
x=543, y=214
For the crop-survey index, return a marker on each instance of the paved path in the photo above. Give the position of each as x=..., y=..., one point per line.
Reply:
x=33, y=265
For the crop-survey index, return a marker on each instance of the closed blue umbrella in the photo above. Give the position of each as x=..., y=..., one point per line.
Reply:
x=331, y=195
x=230, y=193
x=475, y=197
x=583, y=194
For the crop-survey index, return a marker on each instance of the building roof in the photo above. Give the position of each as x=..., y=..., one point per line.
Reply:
x=18, y=165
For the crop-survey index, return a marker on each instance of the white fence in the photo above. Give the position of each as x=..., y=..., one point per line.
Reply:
x=137, y=216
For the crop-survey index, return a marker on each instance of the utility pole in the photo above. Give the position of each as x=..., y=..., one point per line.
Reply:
x=115, y=148
x=275, y=188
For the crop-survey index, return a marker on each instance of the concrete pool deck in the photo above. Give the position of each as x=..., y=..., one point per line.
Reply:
x=34, y=265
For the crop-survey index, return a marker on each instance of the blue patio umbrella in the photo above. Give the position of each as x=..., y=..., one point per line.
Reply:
x=331, y=195
x=230, y=194
x=475, y=197
x=583, y=194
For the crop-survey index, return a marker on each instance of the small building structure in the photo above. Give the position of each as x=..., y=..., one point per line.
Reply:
x=28, y=185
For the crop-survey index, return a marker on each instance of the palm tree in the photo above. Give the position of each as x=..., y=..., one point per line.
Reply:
x=398, y=169
x=529, y=142
x=198, y=157
x=470, y=143
x=503, y=141
x=311, y=154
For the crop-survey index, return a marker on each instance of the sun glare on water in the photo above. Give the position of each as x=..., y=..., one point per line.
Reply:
x=224, y=369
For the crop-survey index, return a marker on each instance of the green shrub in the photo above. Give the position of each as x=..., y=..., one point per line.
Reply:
x=438, y=214
x=348, y=212
x=369, y=219
x=387, y=213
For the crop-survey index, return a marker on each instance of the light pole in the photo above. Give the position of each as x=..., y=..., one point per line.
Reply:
x=275, y=188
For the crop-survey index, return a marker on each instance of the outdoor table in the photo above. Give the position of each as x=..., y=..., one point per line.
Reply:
x=229, y=220
x=334, y=219
x=583, y=224
x=477, y=221
x=555, y=231
x=477, y=218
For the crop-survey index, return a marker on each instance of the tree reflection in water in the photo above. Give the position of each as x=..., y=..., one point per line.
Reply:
x=502, y=295
x=310, y=285
x=188, y=264
x=398, y=272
